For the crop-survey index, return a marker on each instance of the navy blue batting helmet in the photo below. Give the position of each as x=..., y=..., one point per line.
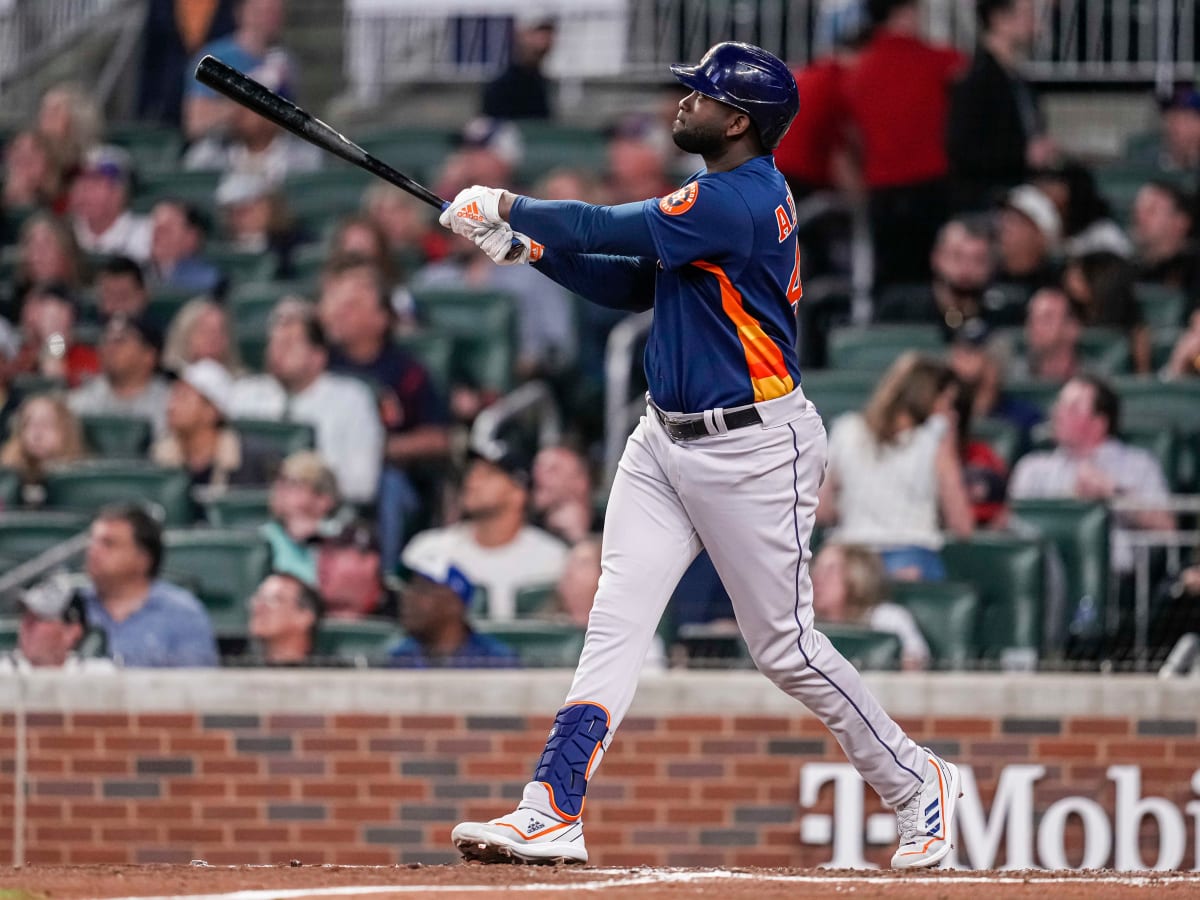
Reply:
x=749, y=79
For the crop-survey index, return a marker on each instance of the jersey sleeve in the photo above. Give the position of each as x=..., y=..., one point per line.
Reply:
x=701, y=220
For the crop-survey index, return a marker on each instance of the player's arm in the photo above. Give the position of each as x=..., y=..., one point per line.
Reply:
x=618, y=282
x=575, y=227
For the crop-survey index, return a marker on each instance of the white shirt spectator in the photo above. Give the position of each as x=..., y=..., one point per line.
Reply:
x=284, y=156
x=533, y=557
x=128, y=235
x=342, y=411
x=895, y=619
x=96, y=397
x=1054, y=473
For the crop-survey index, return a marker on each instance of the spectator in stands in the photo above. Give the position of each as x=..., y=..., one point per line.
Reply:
x=303, y=495
x=978, y=362
x=996, y=136
x=178, y=232
x=487, y=149
x=45, y=434
x=522, y=90
x=1181, y=131
x=1090, y=462
x=361, y=238
x=1163, y=231
x=31, y=178
x=638, y=151
x=985, y=474
x=350, y=573
x=562, y=494
x=54, y=624
x=900, y=123
x=10, y=397
x=200, y=330
x=121, y=289
x=1184, y=361
x=171, y=35
x=407, y=224
x=148, y=621
x=285, y=613
x=850, y=585
x=1029, y=230
x=433, y=612
x=255, y=219
x=100, y=206
x=1086, y=216
x=47, y=253
x=1052, y=331
x=251, y=48
x=494, y=545
x=962, y=268
x=49, y=344
x=357, y=317
x=894, y=467
x=129, y=383
x=71, y=121
x=1101, y=286
x=299, y=387
x=198, y=437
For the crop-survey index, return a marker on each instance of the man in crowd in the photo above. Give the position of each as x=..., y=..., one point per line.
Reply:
x=298, y=387
x=494, y=545
x=53, y=625
x=1162, y=232
x=100, y=206
x=148, y=622
x=1052, y=330
x=121, y=289
x=284, y=615
x=562, y=494
x=129, y=383
x=350, y=574
x=522, y=91
x=176, y=245
x=434, y=614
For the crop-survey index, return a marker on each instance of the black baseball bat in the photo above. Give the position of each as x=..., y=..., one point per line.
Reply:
x=245, y=91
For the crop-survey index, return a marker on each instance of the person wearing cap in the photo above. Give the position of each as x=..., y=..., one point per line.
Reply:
x=254, y=218
x=49, y=345
x=1180, y=130
x=177, y=238
x=199, y=439
x=1029, y=229
x=252, y=47
x=495, y=545
x=521, y=91
x=303, y=496
x=299, y=387
x=53, y=625
x=285, y=613
x=99, y=206
x=129, y=383
x=147, y=621
x=433, y=613
x=350, y=574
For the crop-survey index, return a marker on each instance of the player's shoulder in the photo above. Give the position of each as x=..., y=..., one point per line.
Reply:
x=718, y=193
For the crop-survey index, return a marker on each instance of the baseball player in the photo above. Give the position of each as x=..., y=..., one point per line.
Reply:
x=728, y=456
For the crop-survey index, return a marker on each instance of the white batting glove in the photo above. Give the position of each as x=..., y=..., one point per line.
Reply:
x=472, y=207
x=497, y=242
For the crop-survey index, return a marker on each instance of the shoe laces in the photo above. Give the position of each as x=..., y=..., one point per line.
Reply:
x=906, y=818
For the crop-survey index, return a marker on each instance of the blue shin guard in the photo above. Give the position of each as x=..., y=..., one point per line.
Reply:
x=575, y=743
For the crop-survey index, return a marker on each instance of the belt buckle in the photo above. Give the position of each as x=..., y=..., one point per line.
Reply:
x=676, y=431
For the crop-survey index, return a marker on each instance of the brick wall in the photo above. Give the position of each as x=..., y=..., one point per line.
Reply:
x=685, y=789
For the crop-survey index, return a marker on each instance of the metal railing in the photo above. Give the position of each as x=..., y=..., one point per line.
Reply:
x=621, y=407
x=532, y=398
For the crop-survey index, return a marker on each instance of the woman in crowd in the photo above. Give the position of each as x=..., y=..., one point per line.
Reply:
x=894, y=469
x=1101, y=284
x=31, y=177
x=201, y=330
x=47, y=254
x=362, y=237
x=70, y=120
x=45, y=434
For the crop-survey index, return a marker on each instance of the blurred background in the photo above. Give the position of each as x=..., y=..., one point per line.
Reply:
x=260, y=396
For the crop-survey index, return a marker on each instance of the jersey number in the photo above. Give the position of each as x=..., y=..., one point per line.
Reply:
x=795, y=290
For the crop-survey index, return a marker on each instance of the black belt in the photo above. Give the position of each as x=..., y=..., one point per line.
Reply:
x=690, y=429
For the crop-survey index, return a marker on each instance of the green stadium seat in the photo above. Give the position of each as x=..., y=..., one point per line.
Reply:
x=533, y=599
x=198, y=188
x=946, y=612
x=876, y=347
x=482, y=327
x=251, y=302
x=838, y=391
x=1104, y=350
x=10, y=488
x=10, y=629
x=1079, y=530
x=26, y=534
x=1162, y=306
x=866, y=650
x=549, y=146
x=28, y=384
x=359, y=640
x=252, y=348
x=244, y=508
x=1041, y=394
x=225, y=565
x=240, y=266
x=434, y=350
x=1165, y=444
x=538, y=644
x=165, y=302
x=325, y=195
x=1003, y=436
x=283, y=438
x=416, y=151
x=308, y=260
x=116, y=437
x=153, y=148
x=88, y=486
x=1009, y=573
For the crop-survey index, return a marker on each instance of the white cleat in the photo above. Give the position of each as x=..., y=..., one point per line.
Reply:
x=522, y=836
x=926, y=822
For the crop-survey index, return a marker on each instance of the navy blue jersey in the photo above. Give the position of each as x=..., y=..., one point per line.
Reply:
x=726, y=279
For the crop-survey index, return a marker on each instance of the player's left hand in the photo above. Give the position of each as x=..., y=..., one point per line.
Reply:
x=497, y=242
x=471, y=208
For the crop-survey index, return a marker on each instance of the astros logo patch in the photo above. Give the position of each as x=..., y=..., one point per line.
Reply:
x=681, y=201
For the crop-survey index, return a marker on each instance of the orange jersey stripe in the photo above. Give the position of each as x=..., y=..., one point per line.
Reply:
x=764, y=361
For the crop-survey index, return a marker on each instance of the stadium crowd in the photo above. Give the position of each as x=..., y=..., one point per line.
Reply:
x=265, y=349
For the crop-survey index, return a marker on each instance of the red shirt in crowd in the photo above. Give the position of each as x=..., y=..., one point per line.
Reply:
x=899, y=96
x=806, y=151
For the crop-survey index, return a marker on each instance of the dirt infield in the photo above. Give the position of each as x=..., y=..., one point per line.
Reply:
x=474, y=881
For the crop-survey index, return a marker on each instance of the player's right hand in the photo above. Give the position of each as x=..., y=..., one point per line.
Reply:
x=497, y=242
x=471, y=208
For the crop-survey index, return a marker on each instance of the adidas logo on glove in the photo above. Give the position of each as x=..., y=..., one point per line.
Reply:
x=472, y=212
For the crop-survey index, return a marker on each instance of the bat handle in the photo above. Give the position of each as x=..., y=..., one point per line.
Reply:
x=517, y=246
